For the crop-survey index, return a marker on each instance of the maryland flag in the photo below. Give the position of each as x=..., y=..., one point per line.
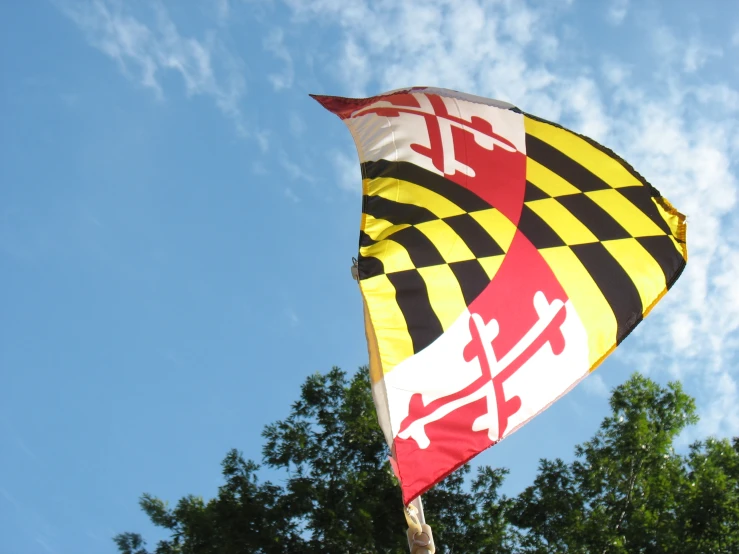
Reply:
x=501, y=259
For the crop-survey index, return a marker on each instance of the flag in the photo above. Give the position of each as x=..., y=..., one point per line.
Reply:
x=502, y=257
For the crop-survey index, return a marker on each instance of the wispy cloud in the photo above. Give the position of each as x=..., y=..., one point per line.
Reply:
x=296, y=171
x=292, y=317
x=258, y=168
x=721, y=414
x=718, y=96
x=11, y=431
x=664, y=42
x=290, y=195
x=275, y=44
x=346, y=169
x=9, y=497
x=223, y=10
x=614, y=72
x=617, y=11
x=262, y=138
x=29, y=522
x=143, y=51
x=41, y=540
x=297, y=125
x=690, y=53
x=698, y=54
x=595, y=385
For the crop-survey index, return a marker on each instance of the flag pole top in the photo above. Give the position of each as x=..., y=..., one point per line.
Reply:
x=420, y=537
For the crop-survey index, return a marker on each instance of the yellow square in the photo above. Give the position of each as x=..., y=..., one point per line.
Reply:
x=630, y=217
x=497, y=226
x=570, y=229
x=393, y=256
x=548, y=181
x=449, y=244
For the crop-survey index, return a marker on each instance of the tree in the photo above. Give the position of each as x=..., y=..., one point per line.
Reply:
x=626, y=491
x=709, y=496
x=341, y=485
x=339, y=494
x=244, y=517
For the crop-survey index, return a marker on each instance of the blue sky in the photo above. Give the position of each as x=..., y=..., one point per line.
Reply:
x=178, y=217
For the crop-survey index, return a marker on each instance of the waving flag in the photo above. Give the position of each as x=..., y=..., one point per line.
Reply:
x=501, y=259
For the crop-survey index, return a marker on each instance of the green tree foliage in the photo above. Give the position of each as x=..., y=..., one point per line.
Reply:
x=626, y=491
x=338, y=483
x=244, y=517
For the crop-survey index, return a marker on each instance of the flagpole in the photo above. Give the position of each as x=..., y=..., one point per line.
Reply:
x=420, y=538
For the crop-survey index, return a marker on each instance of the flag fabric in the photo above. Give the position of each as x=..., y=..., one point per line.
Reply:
x=502, y=257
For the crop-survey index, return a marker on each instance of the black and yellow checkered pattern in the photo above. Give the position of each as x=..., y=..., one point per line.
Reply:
x=428, y=246
x=426, y=252
x=615, y=245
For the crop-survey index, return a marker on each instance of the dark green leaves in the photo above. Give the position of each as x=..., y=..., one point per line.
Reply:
x=625, y=491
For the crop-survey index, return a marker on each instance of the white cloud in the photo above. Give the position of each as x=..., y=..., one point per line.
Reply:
x=683, y=138
x=223, y=10
x=275, y=44
x=581, y=97
x=664, y=41
x=258, y=168
x=698, y=54
x=595, y=385
x=615, y=72
x=355, y=68
x=295, y=171
x=617, y=11
x=720, y=95
x=297, y=125
x=720, y=417
x=143, y=51
x=292, y=317
x=690, y=54
x=262, y=138
x=290, y=195
x=346, y=169
x=40, y=539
